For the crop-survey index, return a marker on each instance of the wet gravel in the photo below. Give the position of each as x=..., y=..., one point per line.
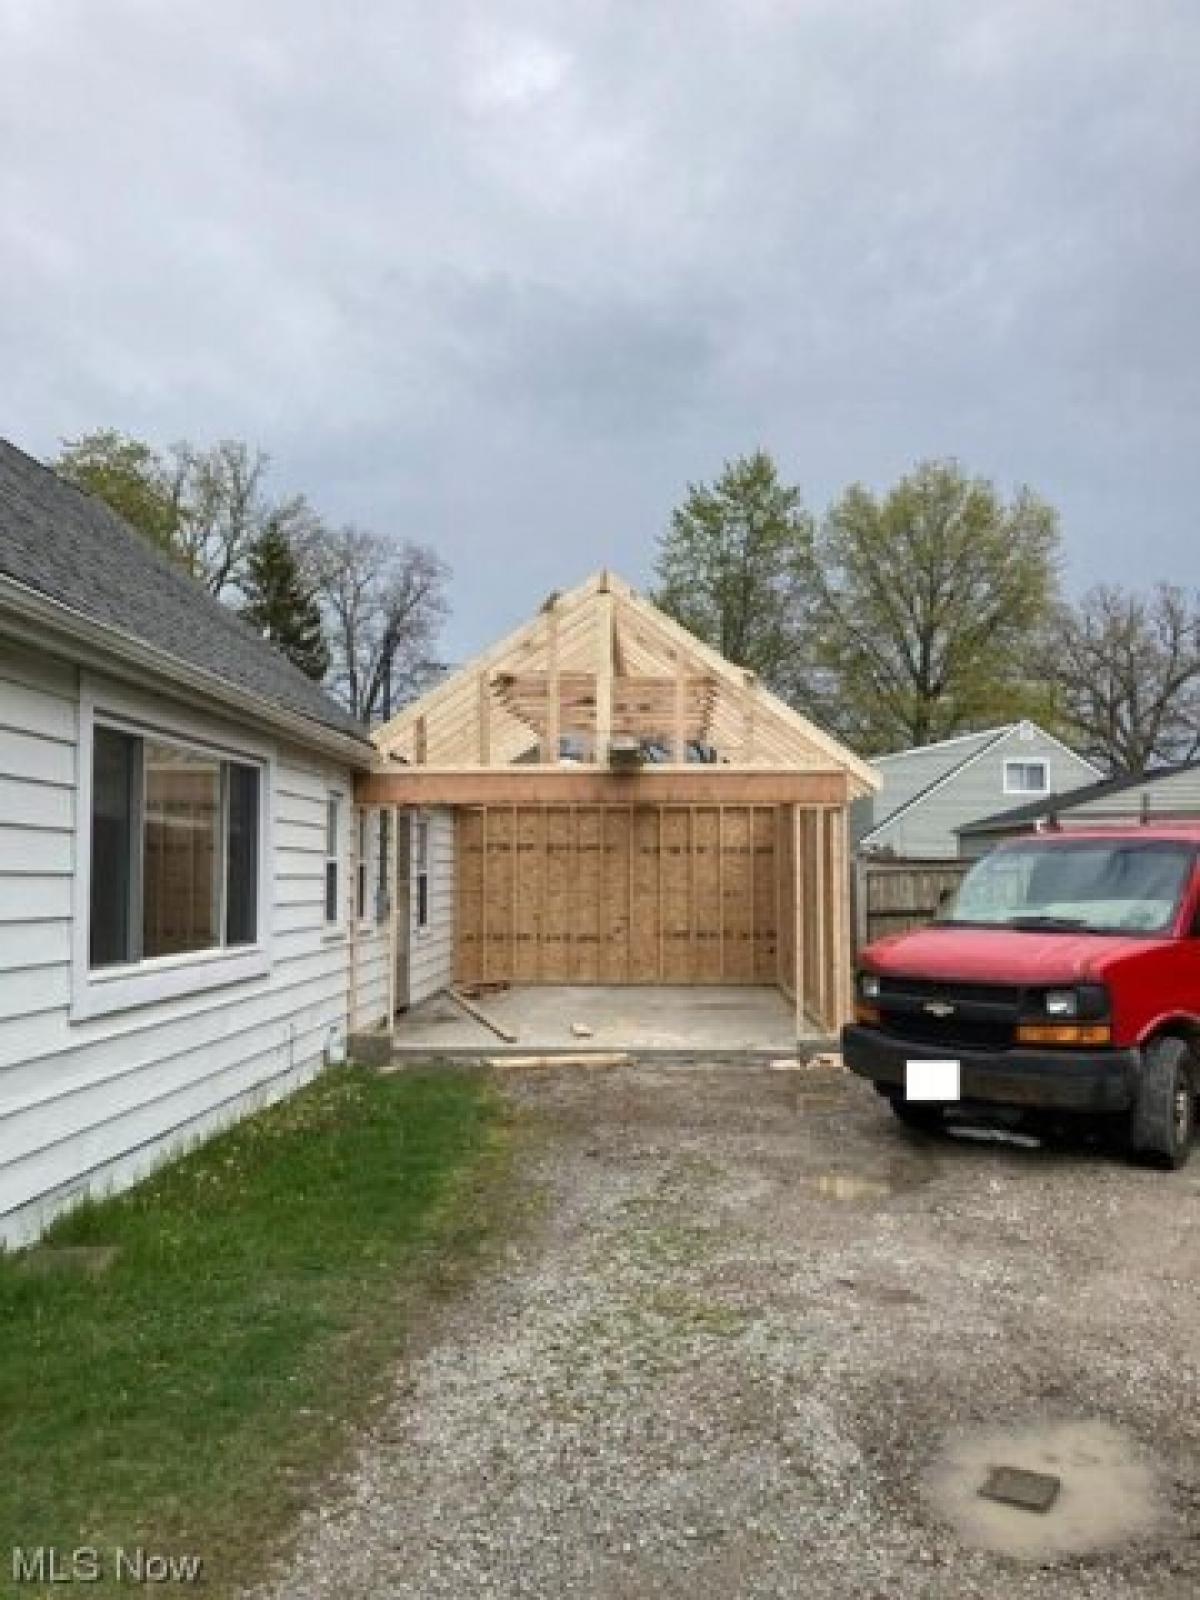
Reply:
x=750, y=1316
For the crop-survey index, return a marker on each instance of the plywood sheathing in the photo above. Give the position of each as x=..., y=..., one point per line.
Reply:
x=610, y=894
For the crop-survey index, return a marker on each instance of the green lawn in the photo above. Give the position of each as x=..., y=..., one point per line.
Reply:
x=188, y=1398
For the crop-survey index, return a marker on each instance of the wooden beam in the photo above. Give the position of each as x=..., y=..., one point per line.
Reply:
x=550, y=741
x=843, y=965
x=393, y=903
x=605, y=621
x=421, y=741
x=748, y=729
x=800, y=932
x=534, y=785
x=484, y=703
x=679, y=732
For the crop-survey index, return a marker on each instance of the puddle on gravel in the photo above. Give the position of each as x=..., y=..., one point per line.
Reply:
x=1109, y=1490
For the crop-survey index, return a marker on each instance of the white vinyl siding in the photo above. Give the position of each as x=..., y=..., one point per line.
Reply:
x=373, y=939
x=98, y=1101
x=926, y=830
x=431, y=948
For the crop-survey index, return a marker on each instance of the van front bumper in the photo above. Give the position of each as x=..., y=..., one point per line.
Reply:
x=1063, y=1080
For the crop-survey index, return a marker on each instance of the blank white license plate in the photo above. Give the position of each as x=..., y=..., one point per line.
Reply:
x=931, y=1080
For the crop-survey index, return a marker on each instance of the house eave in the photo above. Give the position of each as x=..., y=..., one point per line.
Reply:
x=48, y=625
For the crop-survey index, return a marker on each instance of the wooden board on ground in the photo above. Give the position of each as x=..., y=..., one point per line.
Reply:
x=580, y=1058
x=481, y=1016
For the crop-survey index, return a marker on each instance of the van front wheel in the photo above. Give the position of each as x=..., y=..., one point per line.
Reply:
x=1164, y=1110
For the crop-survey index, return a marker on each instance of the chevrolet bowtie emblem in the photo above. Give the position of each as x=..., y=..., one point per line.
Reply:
x=939, y=1008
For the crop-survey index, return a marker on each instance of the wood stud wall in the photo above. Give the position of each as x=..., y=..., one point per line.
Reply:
x=616, y=894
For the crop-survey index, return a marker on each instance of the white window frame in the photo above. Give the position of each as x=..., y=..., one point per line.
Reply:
x=97, y=992
x=385, y=866
x=421, y=868
x=366, y=865
x=334, y=926
x=1027, y=761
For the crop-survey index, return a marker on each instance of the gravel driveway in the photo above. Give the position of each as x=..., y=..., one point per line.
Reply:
x=737, y=1352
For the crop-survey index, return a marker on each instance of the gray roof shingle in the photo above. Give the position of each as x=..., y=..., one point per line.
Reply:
x=1070, y=799
x=71, y=548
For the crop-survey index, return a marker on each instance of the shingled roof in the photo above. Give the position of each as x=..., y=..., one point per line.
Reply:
x=72, y=549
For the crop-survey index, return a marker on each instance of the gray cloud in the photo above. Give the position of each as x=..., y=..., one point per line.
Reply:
x=505, y=277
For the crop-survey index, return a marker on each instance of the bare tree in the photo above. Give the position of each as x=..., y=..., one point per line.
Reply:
x=1127, y=670
x=384, y=601
x=223, y=510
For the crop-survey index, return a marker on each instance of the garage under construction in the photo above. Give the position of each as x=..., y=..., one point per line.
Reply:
x=602, y=799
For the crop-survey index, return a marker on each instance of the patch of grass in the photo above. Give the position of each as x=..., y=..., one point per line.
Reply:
x=186, y=1399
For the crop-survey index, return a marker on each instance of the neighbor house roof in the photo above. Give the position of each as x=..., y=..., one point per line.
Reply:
x=70, y=548
x=931, y=766
x=1053, y=804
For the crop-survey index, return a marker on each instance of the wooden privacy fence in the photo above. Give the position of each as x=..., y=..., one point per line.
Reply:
x=892, y=895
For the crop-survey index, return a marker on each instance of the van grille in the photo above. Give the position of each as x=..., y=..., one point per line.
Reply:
x=984, y=1015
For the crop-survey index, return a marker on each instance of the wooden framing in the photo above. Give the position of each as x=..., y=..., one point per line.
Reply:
x=660, y=785
x=724, y=858
x=601, y=661
x=581, y=894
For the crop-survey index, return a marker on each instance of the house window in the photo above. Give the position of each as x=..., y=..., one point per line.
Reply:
x=333, y=822
x=421, y=869
x=360, y=875
x=1025, y=777
x=174, y=849
x=382, y=895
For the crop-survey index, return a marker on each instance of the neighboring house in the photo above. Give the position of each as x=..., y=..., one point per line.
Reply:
x=189, y=923
x=928, y=793
x=613, y=802
x=1170, y=793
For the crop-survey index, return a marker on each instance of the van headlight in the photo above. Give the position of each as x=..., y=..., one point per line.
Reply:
x=1086, y=1002
x=868, y=985
x=1062, y=1003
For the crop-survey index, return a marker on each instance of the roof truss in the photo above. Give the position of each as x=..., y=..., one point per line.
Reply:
x=600, y=664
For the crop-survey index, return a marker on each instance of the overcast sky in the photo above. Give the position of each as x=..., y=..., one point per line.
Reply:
x=505, y=277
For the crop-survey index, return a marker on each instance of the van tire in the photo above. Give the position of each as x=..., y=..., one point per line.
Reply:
x=1164, y=1110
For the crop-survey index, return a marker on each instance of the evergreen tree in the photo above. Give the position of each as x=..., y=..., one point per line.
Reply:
x=282, y=605
x=732, y=565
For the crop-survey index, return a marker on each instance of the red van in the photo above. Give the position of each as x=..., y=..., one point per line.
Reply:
x=1063, y=977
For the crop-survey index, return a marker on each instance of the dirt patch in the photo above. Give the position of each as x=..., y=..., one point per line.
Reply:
x=747, y=1331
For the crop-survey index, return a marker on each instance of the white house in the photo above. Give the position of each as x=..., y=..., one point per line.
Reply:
x=193, y=912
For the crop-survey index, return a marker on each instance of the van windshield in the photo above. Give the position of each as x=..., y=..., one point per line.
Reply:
x=1096, y=885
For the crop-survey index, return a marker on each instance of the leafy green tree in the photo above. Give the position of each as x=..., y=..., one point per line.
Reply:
x=932, y=609
x=128, y=475
x=208, y=505
x=733, y=563
x=282, y=605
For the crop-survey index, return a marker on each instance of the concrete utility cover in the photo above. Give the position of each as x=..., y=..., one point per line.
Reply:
x=1014, y=1486
x=1108, y=1491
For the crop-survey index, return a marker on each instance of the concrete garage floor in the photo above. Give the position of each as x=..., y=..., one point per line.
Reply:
x=755, y=1341
x=720, y=1021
